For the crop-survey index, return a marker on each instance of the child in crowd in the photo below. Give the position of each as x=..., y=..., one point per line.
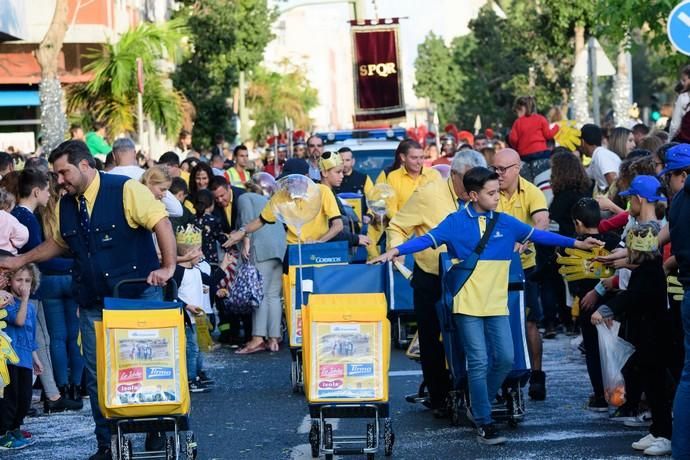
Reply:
x=21, y=328
x=211, y=227
x=13, y=235
x=158, y=180
x=529, y=135
x=190, y=292
x=586, y=215
x=644, y=306
x=179, y=189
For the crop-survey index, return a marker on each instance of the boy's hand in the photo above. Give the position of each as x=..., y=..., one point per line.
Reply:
x=589, y=300
x=222, y=293
x=38, y=367
x=385, y=257
x=195, y=310
x=588, y=244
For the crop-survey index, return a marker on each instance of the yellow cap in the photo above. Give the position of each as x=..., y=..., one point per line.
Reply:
x=189, y=235
x=329, y=160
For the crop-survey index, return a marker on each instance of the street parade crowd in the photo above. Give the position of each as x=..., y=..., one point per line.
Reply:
x=614, y=211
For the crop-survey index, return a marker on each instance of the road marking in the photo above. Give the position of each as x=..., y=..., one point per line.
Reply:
x=403, y=373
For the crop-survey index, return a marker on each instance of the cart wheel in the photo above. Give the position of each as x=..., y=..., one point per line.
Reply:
x=293, y=377
x=388, y=437
x=189, y=445
x=114, y=448
x=315, y=439
x=328, y=436
x=371, y=435
x=125, y=449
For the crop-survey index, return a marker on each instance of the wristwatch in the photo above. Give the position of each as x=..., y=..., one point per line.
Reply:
x=243, y=230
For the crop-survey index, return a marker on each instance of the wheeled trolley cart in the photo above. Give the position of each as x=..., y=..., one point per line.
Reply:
x=142, y=371
x=512, y=404
x=311, y=255
x=346, y=359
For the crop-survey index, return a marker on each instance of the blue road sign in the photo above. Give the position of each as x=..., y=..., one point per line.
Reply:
x=678, y=27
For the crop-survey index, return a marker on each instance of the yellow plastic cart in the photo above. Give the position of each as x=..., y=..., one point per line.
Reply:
x=142, y=375
x=313, y=255
x=346, y=349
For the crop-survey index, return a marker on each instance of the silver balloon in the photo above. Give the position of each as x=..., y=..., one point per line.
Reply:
x=380, y=199
x=296, y=200
x=266, y=182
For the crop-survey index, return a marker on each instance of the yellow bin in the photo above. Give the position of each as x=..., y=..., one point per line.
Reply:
x=141, y=363
x=346, y=348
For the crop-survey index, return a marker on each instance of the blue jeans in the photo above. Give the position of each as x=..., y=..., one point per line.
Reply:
x=60, y=311
x=681, y=404
x=87, y=316
x=194, y=358
x=488, y=345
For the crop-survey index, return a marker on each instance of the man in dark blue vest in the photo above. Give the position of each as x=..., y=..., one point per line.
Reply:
x=105, y=221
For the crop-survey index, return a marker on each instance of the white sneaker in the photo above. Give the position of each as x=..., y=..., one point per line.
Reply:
x=645, y=442
x=644, y=419
x=661, y=446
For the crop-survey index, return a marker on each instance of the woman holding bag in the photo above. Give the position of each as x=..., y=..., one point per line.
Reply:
x=265, y=248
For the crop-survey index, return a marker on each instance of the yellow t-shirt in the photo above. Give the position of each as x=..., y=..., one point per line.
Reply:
x=425, y=209
x=142, y=209
x=525, y=202
x=404, y=185
x=185, y=176
x=314, y=229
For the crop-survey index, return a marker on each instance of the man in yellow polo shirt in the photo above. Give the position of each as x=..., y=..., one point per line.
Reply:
x=425, y=209
x=524, y=201
x=404, y=181
x=410, y=176
x=324, y=227
x=105, y=221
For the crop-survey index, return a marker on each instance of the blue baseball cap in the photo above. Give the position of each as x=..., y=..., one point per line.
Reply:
x=677, y=157
x=645, y=186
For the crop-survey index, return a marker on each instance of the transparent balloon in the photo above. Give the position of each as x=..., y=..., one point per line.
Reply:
x=266, y=182
x=380, y=198
x=296, y=200
x=444, y=170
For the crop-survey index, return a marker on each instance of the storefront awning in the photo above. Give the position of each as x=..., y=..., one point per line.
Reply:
x=19, y=98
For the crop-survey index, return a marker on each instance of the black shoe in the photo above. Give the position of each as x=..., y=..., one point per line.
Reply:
x=32, y=412
x=597, y=404
x=74, y=395
x=537, y=386
x=488, y=434
x=195, y=386
x=205, y=379
x=550, y=333
x=103, y=453
x=155, y=442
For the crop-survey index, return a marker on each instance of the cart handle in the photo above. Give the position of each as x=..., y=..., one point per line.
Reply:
x=169, y=290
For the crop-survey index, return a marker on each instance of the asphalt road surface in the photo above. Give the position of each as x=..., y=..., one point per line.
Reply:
x=253, y=414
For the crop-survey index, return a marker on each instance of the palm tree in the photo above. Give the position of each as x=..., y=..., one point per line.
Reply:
x=112, y=94
x=273, y=96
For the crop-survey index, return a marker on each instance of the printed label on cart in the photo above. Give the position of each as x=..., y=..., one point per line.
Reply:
x=349, y=361
x=129, y=388
x=131, y=374
x=146, y=363
x=330, y=384
x=331, y=371
x=159, y=373
x=360, y=370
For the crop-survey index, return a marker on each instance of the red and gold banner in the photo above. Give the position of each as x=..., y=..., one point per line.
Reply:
x=377, y=73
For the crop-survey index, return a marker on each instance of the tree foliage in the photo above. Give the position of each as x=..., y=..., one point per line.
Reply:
x=111, y=96
x=273, y=96
x=228, y=36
